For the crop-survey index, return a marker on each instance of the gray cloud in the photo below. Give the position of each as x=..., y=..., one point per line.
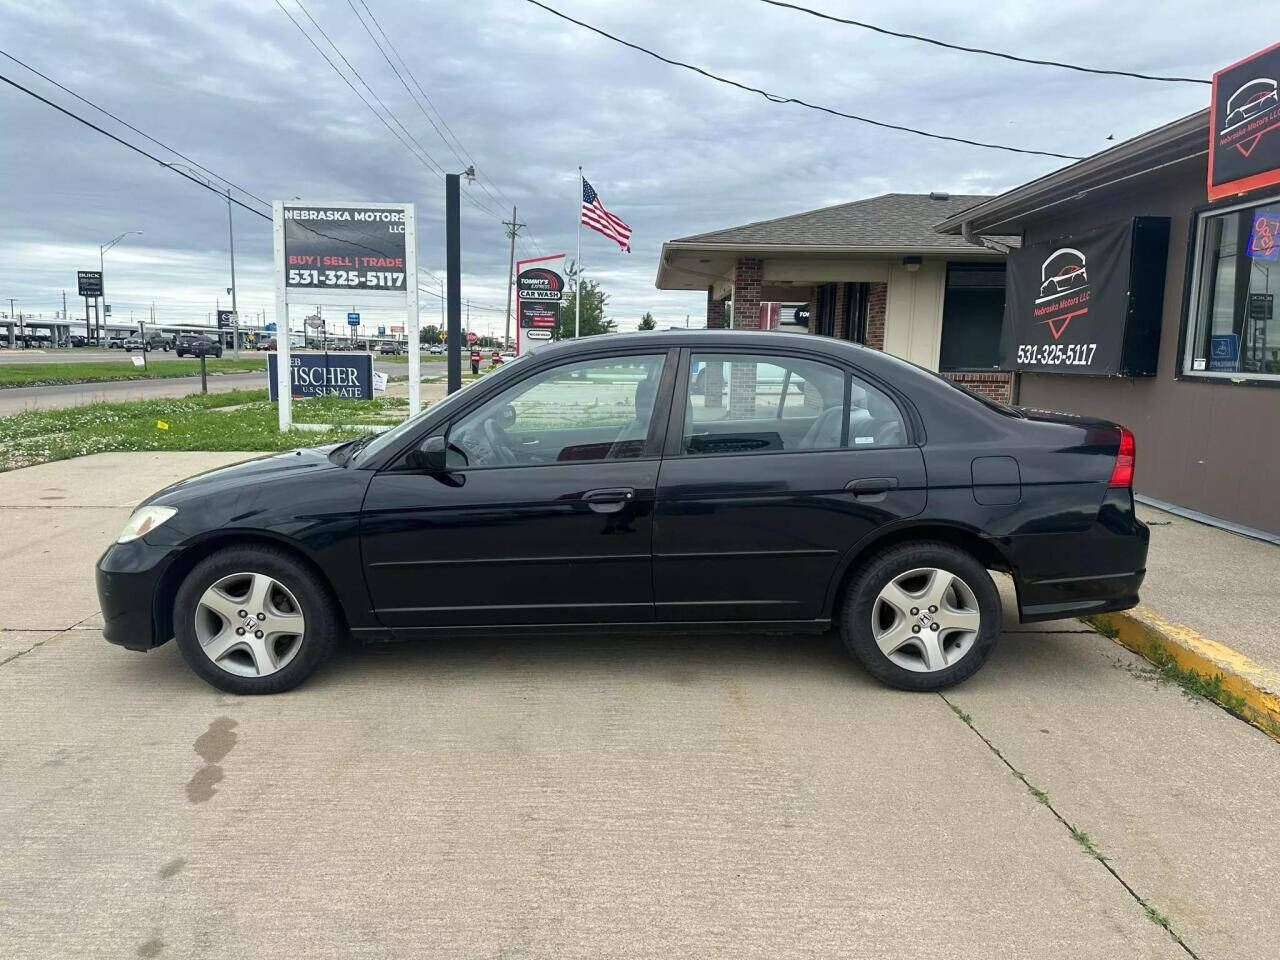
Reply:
x=235, y=86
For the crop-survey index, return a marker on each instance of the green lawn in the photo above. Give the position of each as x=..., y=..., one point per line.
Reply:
x=47, y=374
x=189, y=423
x=404, y=358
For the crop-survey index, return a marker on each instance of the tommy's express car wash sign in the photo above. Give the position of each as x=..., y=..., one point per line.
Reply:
x=1089, y=303
x=1244, y=132
x=344, y=248
x=538, y=292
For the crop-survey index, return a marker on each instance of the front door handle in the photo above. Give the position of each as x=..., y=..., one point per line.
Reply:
x=872, y=488
x=609, y=499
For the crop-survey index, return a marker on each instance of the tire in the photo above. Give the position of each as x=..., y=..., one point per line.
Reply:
x=199, y=624
x=903, y=649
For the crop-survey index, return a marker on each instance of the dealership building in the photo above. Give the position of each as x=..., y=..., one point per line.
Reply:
x=1168, y=321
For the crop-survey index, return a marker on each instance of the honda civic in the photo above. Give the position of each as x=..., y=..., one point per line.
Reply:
x=692, y=481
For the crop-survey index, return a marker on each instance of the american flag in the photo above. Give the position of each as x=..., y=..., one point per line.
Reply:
x=595, y=216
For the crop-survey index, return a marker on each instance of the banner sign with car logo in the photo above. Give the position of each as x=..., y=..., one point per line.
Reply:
x=326, y=375
x=1088, y=304
x=539, y=290
x=1244, y=125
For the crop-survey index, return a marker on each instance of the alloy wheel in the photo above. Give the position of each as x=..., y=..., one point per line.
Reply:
x=926, y=619
x=249, y=624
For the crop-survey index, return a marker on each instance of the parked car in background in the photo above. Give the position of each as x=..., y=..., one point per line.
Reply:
x=135, y=343
x=390, y=349
x=435, y=350
x=157, y=341
x=268, y=344
x=810, y=484
x=76, y=340
x=116, y=341
x=190, y=345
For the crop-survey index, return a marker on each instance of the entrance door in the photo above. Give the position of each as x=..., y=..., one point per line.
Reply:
x=762, y=491
x=545, y=515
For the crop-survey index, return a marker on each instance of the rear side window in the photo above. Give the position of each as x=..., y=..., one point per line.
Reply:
x=745, y=403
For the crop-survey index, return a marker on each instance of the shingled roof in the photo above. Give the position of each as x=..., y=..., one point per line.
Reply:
x=893, y=220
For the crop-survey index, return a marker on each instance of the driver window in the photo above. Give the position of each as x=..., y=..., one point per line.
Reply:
x=589, y=410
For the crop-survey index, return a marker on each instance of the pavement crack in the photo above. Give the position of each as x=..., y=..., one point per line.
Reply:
x=1078, y=835
x=53, y=635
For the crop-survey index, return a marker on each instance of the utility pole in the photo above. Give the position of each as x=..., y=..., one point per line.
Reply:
x=513, y=227
x=235, y=316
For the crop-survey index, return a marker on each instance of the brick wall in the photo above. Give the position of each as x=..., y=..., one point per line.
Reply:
x=715, y=310
x=877, y=302
x=997, y=386
x=748, y=274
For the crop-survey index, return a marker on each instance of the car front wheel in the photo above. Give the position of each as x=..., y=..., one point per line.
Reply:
x=254, y=620
x=922, y=616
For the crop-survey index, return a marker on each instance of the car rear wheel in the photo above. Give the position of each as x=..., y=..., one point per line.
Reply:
x=921, y=616
x=254, y=620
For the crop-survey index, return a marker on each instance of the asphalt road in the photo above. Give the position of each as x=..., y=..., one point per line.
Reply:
x=609, y=796
x=17, y=399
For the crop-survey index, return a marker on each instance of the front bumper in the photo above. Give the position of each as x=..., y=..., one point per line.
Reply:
x=128, y=575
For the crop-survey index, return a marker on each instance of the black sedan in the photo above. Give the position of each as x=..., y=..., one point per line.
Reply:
x=658, y=481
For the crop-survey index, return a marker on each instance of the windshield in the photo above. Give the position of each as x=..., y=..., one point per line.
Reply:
x=388, y=440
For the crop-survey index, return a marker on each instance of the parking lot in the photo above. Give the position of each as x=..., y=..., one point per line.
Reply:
x=610, y=796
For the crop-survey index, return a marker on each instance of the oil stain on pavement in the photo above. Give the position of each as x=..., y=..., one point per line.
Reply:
x=212, y=746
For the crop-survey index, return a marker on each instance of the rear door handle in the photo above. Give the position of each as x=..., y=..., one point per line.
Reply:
x=872, y=487
x=609, y=499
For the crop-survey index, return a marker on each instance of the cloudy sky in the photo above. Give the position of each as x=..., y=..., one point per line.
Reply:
x=236, y=86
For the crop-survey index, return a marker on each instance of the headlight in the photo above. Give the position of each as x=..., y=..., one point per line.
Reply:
x=143, y=521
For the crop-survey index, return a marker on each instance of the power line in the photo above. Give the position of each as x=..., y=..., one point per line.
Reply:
x=429, y=163
x=776, y=98
x=147, y=136
x=425, y=158
x=414, y=97
x=134, y=147
x=979, y=50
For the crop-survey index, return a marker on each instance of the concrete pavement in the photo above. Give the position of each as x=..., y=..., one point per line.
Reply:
x=603, y=796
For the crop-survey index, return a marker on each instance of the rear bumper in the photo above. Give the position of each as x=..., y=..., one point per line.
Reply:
x=1097, y=570
x=127, y=575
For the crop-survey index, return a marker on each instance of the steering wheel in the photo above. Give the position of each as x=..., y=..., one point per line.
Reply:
x=499, y=441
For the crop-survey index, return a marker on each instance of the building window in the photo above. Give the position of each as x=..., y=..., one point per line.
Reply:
x=972, y=317
x=1232, y=326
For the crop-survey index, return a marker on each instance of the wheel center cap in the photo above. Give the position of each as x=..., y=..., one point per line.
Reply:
x=925, y=618
x=250, y=623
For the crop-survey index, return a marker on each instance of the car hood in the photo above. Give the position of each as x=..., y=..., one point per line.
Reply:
x=292, y=465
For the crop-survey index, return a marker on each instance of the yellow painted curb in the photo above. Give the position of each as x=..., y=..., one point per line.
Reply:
x=1253, y=691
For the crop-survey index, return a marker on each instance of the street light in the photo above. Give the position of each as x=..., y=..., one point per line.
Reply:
x=102, y=252
x=231, y=242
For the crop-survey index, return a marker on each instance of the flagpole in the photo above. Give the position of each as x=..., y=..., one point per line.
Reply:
x=577, y=293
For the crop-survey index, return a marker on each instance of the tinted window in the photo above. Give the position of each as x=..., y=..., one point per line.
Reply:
x=589, y=410
x=739, y=403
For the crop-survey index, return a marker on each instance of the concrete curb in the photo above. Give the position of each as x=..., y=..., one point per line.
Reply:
x=1241, y=686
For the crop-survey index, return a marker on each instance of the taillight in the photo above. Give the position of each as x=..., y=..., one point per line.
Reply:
x=1122, y=472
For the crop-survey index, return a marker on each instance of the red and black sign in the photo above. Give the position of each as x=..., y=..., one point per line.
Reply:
x=539, y=291
x=1244, y=132
x=1088, y=304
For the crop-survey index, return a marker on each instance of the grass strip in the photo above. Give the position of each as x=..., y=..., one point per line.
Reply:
x=183, y=423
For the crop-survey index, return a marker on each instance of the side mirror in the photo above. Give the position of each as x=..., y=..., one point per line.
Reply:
x=430, y=456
